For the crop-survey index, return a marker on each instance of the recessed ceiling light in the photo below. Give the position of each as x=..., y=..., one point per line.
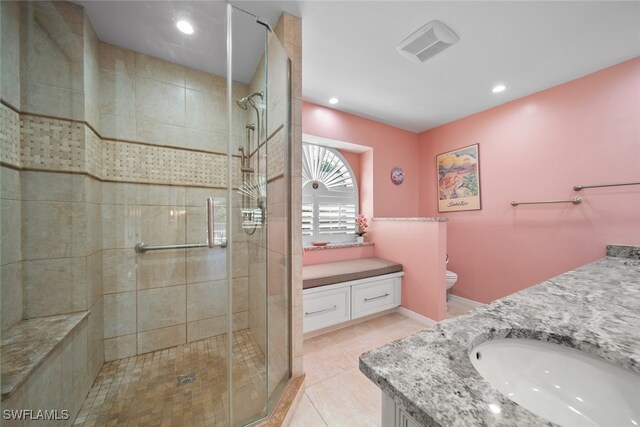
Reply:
x=498, y=88
x=334, y=100
x=185, y=27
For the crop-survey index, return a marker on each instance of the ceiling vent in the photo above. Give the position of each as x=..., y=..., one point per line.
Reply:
x=427, y=41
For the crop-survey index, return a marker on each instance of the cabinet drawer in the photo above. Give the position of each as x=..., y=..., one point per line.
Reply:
x=325, y=308
x=372, y=297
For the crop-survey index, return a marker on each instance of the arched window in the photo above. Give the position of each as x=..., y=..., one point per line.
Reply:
x=329, y=196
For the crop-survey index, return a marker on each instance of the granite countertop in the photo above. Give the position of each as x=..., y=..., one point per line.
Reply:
x=595, y=308
x=420, y=218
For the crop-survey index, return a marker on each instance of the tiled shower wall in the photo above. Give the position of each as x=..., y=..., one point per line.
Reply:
x=77, y=202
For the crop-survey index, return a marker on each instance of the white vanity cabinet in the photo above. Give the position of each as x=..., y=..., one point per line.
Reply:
x=394, y=416
x=330, y=305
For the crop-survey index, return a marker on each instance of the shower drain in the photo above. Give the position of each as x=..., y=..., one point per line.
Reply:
x=186, y=379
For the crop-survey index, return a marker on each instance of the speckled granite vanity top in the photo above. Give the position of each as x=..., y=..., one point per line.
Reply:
x=595, y=308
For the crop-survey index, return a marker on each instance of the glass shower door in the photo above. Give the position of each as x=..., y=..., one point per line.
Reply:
x=260, y=134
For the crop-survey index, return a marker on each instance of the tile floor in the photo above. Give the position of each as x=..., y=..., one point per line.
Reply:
x=142, y=390
x=337, y=394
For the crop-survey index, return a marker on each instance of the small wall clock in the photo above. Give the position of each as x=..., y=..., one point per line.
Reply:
x=397, y=175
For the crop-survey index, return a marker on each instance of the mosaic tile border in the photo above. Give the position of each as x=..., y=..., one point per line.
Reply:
x=62, y=145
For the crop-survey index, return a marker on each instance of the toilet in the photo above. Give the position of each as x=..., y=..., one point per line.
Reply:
x=452, y=278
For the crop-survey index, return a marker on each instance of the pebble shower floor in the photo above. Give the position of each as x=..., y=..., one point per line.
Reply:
x=143, y=391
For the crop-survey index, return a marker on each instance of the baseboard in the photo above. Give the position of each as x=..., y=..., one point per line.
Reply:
x=415, y=316
x=465, y=301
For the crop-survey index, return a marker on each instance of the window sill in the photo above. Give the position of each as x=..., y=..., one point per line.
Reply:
x=340, y=245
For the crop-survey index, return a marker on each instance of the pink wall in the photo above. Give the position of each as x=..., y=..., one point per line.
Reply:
x=378, y=195
x=535, y=148
x=391, y=147
x=421, y=249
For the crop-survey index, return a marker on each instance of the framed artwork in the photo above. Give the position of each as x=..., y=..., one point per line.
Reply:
x=459, y=180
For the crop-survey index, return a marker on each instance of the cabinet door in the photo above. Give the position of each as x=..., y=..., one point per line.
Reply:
x=404, y=420
x=372, y=297
x=326, y=308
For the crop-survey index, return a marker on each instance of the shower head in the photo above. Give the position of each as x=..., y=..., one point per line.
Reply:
x=248, y=100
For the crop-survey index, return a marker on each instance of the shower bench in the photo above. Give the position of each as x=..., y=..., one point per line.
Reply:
x=340, y=293
x=48, y=356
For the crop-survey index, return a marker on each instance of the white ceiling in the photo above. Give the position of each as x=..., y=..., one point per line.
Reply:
x=349, y=48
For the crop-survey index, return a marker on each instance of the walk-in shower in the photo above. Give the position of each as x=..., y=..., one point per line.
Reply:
x=144, y=179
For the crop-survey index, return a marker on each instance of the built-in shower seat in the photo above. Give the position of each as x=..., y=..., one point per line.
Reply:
x=42, y=352
x=336, y=293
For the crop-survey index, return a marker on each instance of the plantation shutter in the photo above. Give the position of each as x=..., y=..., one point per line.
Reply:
x=329, y=196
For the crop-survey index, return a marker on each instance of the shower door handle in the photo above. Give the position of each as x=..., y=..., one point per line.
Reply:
x=211, y=225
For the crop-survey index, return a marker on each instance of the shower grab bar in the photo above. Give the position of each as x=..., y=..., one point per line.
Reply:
x=619, y=184
x=575, y=201
x=143, y=247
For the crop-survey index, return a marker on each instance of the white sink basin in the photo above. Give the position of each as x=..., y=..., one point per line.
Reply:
x=566, y=386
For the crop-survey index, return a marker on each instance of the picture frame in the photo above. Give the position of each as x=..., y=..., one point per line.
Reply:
x=458, y=179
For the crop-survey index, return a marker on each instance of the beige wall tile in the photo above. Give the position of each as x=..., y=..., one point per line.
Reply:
x=44, y=388
x=206, y=82
x=74, y=368
x=163, y=225
x=240, y=259
x=240, y=298
x=96, y=361
x=95, y=334
x=117, y=93
x=161, y=268
x=155, y=132
x=54, y=286
x=10, y=188
x=119, y=127
x=120, y=226
x=10, y=53
x=53, y=187
x=205, y=111
x=204, y=265
x=161, y=338
x=120, y=193
x=116, y=59
x=94, y=227
x=161, y=195
x=119, y=314
x=161, y=307
x=41, y=99
x=160, y=102
x=94, y=278
x=93, y=190
x=215, y=141
x=11, y=292
x=206, y=328
x=198, y=196
x=120, y=347
x=205, y=300
x=158, y=69
x=10, y=231
x=118, y=270
x=53, y=229
x=240, y=320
